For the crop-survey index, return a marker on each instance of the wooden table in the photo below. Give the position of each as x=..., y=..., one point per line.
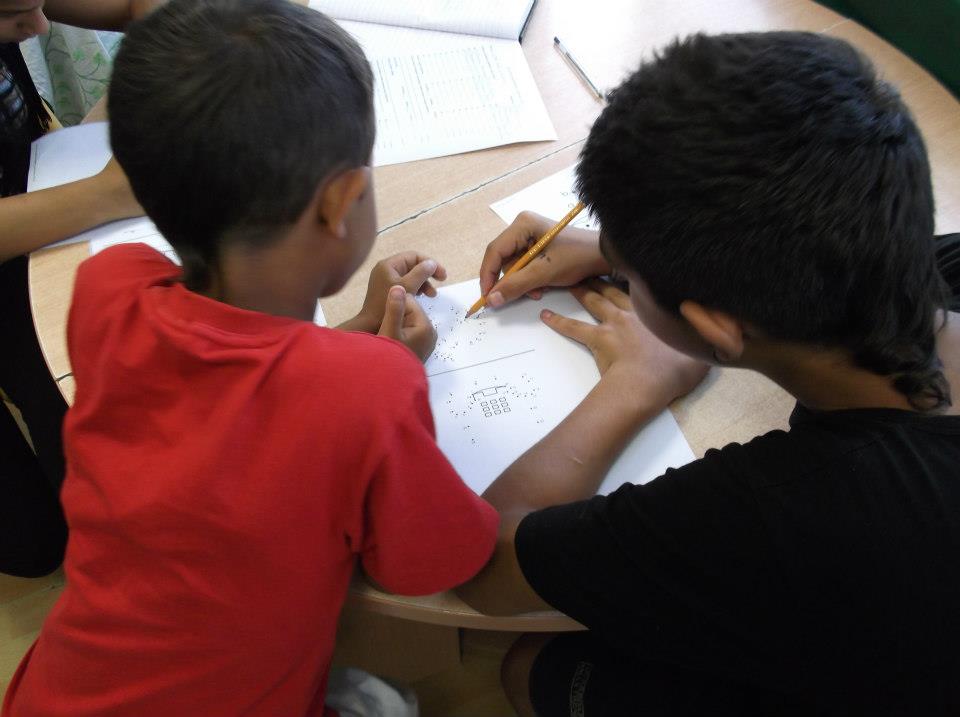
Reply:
x=440, y=206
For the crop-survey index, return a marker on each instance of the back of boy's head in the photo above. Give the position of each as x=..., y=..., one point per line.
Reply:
x=227, y=115
x=773, y=176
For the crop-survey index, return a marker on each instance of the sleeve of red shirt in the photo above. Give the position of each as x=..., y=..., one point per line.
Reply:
x=425, y=530
x=103, y=279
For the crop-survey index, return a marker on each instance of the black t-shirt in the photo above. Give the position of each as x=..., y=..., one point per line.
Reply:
x=23, y=119
x=823, y=562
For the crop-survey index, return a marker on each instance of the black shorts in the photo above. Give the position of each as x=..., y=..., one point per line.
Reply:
x=577, y=675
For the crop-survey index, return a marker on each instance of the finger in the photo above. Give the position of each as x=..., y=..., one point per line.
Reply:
x=405, y=261
x=598, y=306
x=511, y=242
x=612, y=293
x=427, y=289
x=509, y=288
x=535, y=294
x=418, y=275
x=414, y=315
x=579, y=331
x=393, y=313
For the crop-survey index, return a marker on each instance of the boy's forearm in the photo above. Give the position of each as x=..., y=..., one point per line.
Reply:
x=96, y=14
x=572, y=460
x=31, y=221
x=360, y=322
x=566, y=466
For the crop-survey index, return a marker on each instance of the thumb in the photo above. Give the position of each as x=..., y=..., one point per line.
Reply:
x=392, y=324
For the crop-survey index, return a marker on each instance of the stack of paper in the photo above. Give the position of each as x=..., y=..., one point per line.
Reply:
x=449, y=77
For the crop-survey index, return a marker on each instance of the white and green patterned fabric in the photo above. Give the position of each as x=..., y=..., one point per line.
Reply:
x=71, y=68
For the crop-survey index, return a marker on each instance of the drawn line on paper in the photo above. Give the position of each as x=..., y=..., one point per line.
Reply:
x=462, y=368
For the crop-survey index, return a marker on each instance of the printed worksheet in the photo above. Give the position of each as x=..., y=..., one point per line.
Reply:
x=552, y=197
x=439, y=93
x=501, y=380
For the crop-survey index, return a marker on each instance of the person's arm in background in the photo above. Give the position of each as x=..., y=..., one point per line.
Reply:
x=98, y=14
x=31, y=221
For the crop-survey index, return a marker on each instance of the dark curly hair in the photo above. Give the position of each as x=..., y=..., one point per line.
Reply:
x=773, y=176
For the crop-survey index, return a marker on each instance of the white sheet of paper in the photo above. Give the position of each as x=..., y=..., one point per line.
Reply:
x=437, y=93
x=552, y=197
x=495, y=18
x=501, y=380
x=68, y=155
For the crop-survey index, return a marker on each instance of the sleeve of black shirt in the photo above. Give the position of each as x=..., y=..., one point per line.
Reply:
x=677, y=570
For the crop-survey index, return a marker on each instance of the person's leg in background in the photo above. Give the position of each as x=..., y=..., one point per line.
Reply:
x=32, y=528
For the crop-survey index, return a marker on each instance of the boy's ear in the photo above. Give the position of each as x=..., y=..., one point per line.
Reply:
x=337, y=197
x=718, y=328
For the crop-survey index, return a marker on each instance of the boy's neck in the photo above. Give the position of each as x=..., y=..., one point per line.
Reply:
x=830, y=381
x=268, y=280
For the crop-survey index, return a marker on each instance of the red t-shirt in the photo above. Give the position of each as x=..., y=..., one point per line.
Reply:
x=226, y=469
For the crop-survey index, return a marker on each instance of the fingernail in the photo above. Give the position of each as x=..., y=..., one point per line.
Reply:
x=546, y=314
x=495, y=299
x=397, y=292
x=430, y=265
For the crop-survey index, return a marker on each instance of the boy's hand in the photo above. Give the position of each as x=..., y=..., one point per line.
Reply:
x=625, y=349
x=409, y=269
x=405, y=321
x=571, y=257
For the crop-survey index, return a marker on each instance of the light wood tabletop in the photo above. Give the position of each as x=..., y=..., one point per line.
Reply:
x=441, y=207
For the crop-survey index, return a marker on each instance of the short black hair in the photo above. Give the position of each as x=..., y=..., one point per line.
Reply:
x=227, y=115
x=775, y=177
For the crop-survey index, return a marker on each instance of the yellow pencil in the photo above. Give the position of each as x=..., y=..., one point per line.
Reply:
x=532, y=252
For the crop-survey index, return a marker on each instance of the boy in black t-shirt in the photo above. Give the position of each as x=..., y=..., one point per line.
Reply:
x=768, y=200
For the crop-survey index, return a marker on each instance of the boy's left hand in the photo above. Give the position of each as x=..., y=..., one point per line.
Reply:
x=408, y=269
x=405, y=321
x=626, y=350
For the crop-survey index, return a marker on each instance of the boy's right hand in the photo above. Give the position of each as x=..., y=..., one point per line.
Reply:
x=571, y=257
x=405, y=321
x=409, y=269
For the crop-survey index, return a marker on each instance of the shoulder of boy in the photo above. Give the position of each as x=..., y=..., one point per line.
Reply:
x=374, y=363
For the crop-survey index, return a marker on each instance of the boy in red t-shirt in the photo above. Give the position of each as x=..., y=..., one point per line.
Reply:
x=228, y=461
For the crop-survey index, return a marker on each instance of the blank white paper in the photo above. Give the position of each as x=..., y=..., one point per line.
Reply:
x=501, y=380
x=552, y=197
x=495, y=18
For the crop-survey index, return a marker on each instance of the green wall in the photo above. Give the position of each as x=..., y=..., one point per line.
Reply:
x=927, y=30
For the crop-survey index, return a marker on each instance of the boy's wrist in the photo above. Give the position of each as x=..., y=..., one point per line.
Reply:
x=629, y=397
x=361, y=322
